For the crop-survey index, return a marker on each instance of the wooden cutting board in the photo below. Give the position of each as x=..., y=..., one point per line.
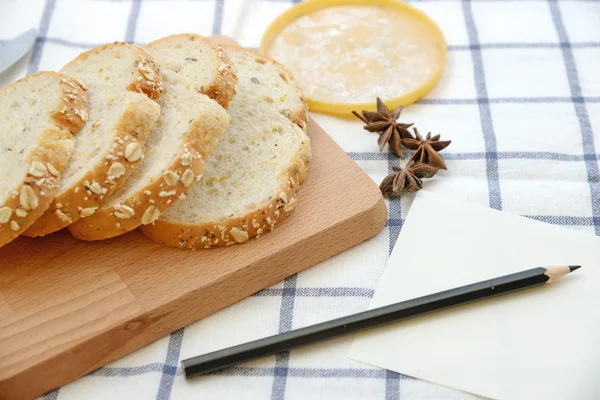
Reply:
x=68, y=307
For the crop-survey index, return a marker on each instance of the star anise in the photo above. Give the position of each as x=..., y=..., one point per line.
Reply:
x=426, y=150
x=386, y=124
x=408, y=178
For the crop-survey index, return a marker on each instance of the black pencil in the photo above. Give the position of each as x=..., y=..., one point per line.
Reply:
x=372, y=318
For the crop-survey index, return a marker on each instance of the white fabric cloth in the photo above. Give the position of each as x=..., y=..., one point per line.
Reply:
x=519, y=98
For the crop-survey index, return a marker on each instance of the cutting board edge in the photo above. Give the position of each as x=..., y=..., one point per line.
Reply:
x=20, y=385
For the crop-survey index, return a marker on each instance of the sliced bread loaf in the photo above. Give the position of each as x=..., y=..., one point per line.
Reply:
x=123, y=81
x=252, y=177
x=187, y=131
x=38, y=115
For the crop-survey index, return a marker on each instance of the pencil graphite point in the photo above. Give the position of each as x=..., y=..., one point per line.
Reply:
x=574, y=267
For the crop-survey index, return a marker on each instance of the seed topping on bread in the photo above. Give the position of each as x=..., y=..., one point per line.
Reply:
x=40, y=113
x=149, y=81
x=74, y=106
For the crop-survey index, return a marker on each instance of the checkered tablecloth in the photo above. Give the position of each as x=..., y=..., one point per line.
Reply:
x=520, y=100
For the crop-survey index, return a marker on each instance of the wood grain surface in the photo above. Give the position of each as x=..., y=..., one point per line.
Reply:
x=68, y=307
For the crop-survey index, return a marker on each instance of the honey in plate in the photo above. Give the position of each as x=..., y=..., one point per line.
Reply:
x=354, y=53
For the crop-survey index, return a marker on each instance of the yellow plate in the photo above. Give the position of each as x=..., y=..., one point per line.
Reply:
x=344, y=109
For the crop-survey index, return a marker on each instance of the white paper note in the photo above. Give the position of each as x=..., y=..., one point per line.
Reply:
x=540, y=343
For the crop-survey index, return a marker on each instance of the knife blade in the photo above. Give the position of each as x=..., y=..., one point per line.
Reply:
x=13, y=50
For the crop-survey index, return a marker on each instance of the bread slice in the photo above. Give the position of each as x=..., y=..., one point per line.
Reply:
x=187, y=131
x=253, y=175
x=37, y=116
x=123, y=81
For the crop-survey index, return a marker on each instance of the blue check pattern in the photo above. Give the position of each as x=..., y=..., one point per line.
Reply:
x=520, y=98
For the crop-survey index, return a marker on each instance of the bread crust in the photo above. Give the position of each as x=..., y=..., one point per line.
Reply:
x=72, y=111
x=133, y=128
x=147, y=203
x=252, y=224
x=55, y=146
x=223, y=88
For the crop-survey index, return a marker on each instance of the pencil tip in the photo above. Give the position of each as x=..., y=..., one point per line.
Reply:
x=574, y=267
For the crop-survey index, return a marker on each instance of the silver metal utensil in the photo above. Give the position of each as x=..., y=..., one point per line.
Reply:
x=13, y=50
